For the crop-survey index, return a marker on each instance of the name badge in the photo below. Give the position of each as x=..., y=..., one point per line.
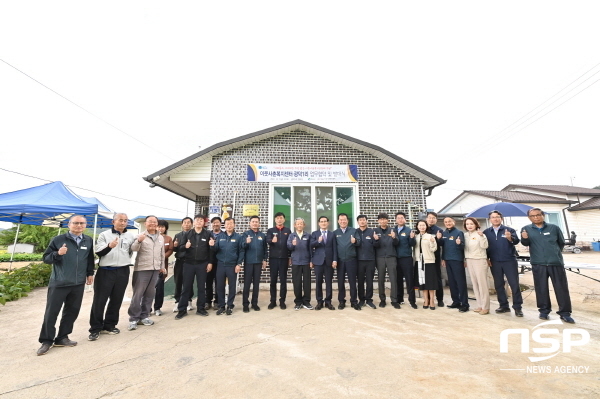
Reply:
x=166, y=244
x=339, y=236
x=260, y=238
x=546, y=234
x=451, y=238
x=367, y=237
x=86, y=247
x=403, y=234
x=222, y=239
x=304, y=238
x=203, y=239
x=233, y=240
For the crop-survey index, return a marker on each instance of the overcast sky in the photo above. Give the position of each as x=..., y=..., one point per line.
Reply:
x=482, y=94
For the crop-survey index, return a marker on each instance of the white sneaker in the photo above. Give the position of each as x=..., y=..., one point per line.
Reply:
x=146, y=322
x=132, y=325
x=158, y=312
x=176, y=308
x=190, y=307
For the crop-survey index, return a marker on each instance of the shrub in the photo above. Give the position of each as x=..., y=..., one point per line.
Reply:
x=21, y=258
x=17, y=283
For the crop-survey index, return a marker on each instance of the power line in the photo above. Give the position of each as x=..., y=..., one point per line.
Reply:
x=89, y=112
x=509, y=129
x=92, y=191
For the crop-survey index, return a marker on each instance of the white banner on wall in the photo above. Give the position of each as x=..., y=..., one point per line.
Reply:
x=302, y=173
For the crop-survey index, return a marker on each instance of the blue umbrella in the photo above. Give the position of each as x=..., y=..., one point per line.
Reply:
x=508, y=209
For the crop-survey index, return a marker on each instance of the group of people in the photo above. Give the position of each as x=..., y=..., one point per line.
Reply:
x=408, y=255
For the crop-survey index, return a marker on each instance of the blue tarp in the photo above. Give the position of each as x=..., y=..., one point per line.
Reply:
x=52, y=201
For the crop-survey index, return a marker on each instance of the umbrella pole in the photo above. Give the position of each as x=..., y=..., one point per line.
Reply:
x=14, y=247
x=95, y=224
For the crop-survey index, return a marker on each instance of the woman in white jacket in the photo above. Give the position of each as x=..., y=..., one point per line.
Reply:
x=424, y=256
x=476, y=244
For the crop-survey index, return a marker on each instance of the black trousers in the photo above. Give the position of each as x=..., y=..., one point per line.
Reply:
x=457, y=280
x=278, y=268
x=109, y=285
x=226, y=272
x=69, y=300
x=325, y=270
x=251, y=277
x=349, y=267
x=405, y=270
x=366, y=274
x=211, y=292
x=558, y=276
x=178, y=276
x=439, y=293
x=159, y=295
x=510, y=269
x=301, y=281
x=191, y=271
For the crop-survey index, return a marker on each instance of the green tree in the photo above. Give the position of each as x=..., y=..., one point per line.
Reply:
x=39, y=236
x=597, y=187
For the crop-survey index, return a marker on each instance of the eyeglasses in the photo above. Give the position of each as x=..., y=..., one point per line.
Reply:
x=536, y=215
x=79, y=223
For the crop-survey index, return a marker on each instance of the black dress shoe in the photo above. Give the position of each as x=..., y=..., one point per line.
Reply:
x=396, y=305
x=44, y=349
x=181, y=314
x=246, y=309
x=220, y=311
x=463, y=309
x=329, y=306
x=202, y=312
x=413, y=305
x=441, y=304
x=229, y=311
x=382, y=304
x=319, y=306
x=518, y=313
x=341, y=306
x=271, y=305
x=544, y=316
x=503, y=310
x=255, y=308
x=567, y=319
x=282, y=306
x=65, y=342
x=356, y=306
x=454, y=306
x=361, y=303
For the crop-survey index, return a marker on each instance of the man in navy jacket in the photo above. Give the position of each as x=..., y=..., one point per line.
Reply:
x=279, y=259
x=255, y=260
x=406, y=266
x=229, y=250
x=324, y=260
x=503, y=258
x=453, y=259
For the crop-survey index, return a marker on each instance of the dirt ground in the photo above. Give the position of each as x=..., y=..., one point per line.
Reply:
x=382, y=353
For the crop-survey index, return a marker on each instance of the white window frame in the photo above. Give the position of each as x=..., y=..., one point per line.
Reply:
x=313, y=199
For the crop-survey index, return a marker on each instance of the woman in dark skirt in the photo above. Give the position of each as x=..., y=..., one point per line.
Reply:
x=424, y=256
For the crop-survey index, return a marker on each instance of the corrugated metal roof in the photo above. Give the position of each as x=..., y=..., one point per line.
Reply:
x=558, y=189
x=592, y=203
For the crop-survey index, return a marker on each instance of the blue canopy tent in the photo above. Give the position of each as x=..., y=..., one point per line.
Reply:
x=52, y=205
x=52, y=201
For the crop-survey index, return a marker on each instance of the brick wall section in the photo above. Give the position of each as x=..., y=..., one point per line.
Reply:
x=382, y=187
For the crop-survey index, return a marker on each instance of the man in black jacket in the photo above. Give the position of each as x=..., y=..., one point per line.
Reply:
x=197, y=262
x=72, y=258
x=385, y=250
x=279, y=259
x=186, y=225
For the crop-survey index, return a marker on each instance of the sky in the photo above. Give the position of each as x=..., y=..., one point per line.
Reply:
x=481, y=94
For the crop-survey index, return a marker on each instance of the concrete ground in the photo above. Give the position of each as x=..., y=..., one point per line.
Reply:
x=385, y=353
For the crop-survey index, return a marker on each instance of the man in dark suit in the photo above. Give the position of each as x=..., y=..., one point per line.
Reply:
x=324, y=260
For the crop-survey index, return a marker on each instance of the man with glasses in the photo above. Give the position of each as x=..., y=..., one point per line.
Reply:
x=72, y=258
x=502, y=257
x=545, y=242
